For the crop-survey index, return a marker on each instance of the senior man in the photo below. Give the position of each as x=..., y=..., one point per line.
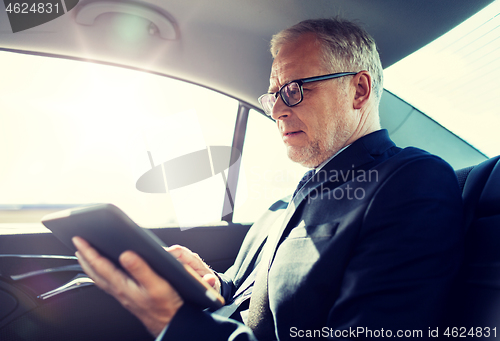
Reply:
x=367, y=246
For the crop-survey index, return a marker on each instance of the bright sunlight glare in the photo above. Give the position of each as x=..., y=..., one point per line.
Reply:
x=454, y=79
x=80, y=133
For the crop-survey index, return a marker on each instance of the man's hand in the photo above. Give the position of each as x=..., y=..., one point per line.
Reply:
x=145, y=294
x=187, y=257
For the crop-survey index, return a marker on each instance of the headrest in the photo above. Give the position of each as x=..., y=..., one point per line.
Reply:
x=481, y=191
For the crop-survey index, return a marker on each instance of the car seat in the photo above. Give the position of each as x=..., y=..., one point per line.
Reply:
x=476, y=300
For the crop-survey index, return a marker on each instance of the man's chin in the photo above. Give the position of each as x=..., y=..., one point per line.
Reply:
x=302, y=156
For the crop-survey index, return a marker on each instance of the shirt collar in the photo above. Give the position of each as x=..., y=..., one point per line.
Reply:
x=317, y=169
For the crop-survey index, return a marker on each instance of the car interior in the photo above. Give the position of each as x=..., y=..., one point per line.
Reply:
x=183, y=50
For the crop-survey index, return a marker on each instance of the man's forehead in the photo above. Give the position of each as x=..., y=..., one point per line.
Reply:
x=298, y=59
x=279, y=74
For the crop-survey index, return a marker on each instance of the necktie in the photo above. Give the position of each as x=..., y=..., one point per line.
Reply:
x=260, y=319
x=302, y=182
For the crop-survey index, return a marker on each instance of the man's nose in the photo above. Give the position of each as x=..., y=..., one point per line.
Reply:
x=280, y=110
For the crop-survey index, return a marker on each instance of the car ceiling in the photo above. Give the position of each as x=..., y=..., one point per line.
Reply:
x=224, y=44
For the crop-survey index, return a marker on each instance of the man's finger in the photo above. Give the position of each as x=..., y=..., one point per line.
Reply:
x=139, y=269
x=99, y=264
x=182, y=254
x=100, y=281
x=80, y=244
x=210, y=279
x=100, y=269
x=186, y=256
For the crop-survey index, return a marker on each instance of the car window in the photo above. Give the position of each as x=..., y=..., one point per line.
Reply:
x=75, y=133
x=267, y=173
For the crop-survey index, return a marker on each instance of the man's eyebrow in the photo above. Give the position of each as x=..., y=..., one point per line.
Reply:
x=277, y=87
x=270, y=89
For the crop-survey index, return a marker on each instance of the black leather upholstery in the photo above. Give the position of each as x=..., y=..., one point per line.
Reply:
x=462, y=175
x=476, y=302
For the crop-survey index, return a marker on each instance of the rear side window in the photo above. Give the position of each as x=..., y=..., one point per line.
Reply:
x=267, y=174
x=76, y=133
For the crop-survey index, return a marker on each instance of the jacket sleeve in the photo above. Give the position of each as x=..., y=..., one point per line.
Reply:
x=194, y=324
x=226, y=286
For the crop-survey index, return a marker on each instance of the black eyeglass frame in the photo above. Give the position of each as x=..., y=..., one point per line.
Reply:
x=300, y=82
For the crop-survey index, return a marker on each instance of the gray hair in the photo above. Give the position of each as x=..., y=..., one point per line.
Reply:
x=345, y=45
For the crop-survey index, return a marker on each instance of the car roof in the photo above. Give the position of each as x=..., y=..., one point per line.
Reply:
x=224, y=44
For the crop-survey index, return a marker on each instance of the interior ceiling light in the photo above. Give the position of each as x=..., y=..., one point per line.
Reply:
x=161, y=23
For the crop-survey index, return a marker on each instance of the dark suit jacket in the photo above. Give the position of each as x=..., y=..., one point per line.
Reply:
x=371, y=244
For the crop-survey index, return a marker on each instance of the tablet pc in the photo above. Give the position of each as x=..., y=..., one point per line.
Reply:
x=111, y=232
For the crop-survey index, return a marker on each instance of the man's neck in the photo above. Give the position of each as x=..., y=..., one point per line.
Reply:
x=318, y=168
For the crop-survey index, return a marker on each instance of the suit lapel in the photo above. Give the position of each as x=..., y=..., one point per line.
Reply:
x=258, y=243
x=259, y=250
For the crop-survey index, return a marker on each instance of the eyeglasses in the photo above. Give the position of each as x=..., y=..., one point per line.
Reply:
x=292, y=92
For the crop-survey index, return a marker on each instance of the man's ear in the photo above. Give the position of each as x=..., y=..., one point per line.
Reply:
x=363, y=84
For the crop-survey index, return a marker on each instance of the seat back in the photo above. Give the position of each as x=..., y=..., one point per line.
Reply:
x=476, y=302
